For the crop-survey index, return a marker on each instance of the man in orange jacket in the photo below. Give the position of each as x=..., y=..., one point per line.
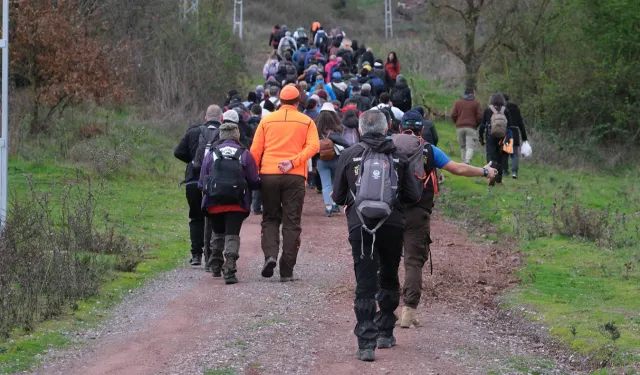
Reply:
x=283, y=143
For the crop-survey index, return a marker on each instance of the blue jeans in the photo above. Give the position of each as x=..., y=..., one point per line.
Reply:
x=327, y=169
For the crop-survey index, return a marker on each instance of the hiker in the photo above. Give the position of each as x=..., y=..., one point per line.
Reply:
x=274, y=39
x=379, y=78
x=493, y=130
x=301, y=37
x=467, y=114
x=299, y=56
x=364, y=102
x=321, y=40
x=350, y=132
x=519, y=134
x=228, y=175
x=401, y=94
x=340, y=89
x=333, y=61
x=312, y=109
x=259, y=93
x=424, y=158
x=315, y=26
x=392, y=66
x=331, y=144
x=271, y=66
x=283, y=143
x=320, y=85
x=287, y=70
x=385, y=102
x=429, y=132
x=367, y=56
x=366, y=92
x=372, y=174
x=187, y=151
x=287, y=44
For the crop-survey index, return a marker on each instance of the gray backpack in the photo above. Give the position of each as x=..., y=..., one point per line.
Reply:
x=499, y=123
x=413, y=148
x=376, y=191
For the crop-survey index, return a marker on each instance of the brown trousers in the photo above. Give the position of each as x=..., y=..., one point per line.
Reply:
x=282, y=201
x=417, y=237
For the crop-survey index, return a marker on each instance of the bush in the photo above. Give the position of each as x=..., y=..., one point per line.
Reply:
x=52, y=253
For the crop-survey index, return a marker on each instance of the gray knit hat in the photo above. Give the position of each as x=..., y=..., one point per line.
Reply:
x=229, y=130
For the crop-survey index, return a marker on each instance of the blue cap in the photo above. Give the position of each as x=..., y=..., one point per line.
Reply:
x=336, y=75
x=412, y=119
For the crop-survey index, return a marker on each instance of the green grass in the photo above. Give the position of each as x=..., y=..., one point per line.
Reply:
x=434, y=94
x=222, y=371
x=571, y=285
x=145, y=199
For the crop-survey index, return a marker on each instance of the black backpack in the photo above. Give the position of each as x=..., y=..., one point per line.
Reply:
x=399, y=96
x=208, y=135
x=340, y=94
x=290, y=71
x=226, y=184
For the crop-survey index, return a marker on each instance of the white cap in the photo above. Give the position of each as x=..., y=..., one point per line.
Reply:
x=231, y=116
x=328, y=107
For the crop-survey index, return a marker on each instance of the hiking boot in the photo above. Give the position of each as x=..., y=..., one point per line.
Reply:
x=207, y=267
x=336, y=209
x=514, y=175
x=231, y=279
x=284, y=279
x=257, y=212
x=269, y=265
x=217, y=273
x=408, y=317
x=328, y=212
x=196, y=260
x=386, y=342
x=367, y=355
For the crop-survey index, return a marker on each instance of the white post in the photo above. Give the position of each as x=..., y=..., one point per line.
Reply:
x=388, y=19
x=4, y=140
x=237, y=18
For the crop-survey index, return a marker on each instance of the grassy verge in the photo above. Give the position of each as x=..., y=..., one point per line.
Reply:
x=144, y=200
x=585, y=290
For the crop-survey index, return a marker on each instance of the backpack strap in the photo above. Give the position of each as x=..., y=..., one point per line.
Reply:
x=493, y=109
x=502, y=110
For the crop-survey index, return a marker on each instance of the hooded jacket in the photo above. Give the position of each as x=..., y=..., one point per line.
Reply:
x=344, y=185
x=364, y=102
x=367, y=56
x=467, y=112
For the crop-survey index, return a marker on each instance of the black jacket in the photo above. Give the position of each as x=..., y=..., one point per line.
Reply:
x=364, y=102
x=344, y=184
x=429, y=133
x=187, y=147
x=401, y=90
x=486, y=121
x=517, y=127
x=367, y=56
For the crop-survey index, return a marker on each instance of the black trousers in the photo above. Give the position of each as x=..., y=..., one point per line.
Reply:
x=377, y=284
x=196, y=218
x=495, y=155
x=228, y=223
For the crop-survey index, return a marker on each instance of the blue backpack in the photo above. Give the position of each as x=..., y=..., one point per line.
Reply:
x=378, y=84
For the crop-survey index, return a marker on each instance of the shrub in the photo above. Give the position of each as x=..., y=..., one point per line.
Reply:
x=52, y=253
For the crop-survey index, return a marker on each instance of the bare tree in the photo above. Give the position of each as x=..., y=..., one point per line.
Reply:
x=478, y=31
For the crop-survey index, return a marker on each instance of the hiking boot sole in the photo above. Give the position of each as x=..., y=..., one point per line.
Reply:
x=230, y=281
x=269, y=266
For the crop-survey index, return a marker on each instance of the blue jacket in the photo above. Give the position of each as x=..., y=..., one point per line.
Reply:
x=327, y=88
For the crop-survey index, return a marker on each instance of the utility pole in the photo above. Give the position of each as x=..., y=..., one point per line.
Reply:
x=388, y=19
x=190, y=7
x=4, y=139
x=237, y=18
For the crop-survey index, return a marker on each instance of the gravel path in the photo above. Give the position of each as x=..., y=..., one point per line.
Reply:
x=186, y=322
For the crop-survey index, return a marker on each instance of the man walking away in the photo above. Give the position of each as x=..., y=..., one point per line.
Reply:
x=424, y=158
x=188, y=151
x=284, y=141
x=496, y=121
x=254, y=120
x=371, y=181
x=467, y=113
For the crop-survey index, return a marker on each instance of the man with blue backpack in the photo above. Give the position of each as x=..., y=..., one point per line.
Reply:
x=371, y=180
x=423, y=158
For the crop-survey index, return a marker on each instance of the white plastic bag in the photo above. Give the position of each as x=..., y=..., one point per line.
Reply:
x=526, y=150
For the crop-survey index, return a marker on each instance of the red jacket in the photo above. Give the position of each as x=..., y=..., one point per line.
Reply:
x=393, y=69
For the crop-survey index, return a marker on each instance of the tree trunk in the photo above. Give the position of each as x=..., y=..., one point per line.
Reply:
x=471, y=75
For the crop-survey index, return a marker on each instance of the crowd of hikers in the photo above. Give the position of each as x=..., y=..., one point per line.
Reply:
x=332, y=117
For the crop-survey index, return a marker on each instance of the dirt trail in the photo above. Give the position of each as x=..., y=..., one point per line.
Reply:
x=186, y=322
